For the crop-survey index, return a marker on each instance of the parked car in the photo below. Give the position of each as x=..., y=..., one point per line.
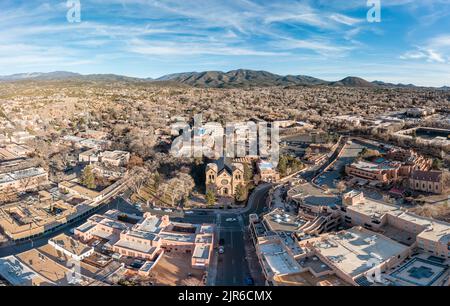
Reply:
x=221, y=250
x=231, y=219
x=189, y=212
x=249, y=281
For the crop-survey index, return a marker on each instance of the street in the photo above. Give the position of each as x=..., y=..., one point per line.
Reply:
x=232, y=266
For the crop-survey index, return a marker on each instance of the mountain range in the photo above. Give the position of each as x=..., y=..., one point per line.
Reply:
x=240, y=78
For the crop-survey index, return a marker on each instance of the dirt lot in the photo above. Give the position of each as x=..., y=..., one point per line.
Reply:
x=438, y=211
x=174, y=269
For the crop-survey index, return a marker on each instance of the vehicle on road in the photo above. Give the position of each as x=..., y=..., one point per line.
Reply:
x=221, y=241
x=231, y=219
x=168, y=210
x=221, y=250
x=157, y=208
x=189, y=212
x=249, y=281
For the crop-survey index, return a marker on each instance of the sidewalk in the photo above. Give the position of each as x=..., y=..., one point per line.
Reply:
x=212, y=270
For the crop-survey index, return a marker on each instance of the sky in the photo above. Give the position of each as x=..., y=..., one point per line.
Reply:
x=327, y=39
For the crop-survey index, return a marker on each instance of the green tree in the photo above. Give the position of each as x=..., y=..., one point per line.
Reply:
x=88, y=178
x=241, y=193
x=210, y=197
x=156, y=180
x=437, y=164
x=248, y=172
x=283, y=165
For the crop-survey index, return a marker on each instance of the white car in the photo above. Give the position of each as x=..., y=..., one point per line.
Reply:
x=231, y=219
x=168, y=210
x=156, y=208
x=189, y=212
x=221, y=250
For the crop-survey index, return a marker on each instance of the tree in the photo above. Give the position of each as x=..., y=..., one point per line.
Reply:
x=210, y=197
x=288, y=165
x=248, y=172
x=341, y=186
x=241, y=193
x=138, y=179
x=282, y=165
x=135, y=161
x=437, y=164
x=87, y=178
x=157, y=180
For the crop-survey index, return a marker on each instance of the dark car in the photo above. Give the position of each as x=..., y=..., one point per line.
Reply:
x=249, y=281
x=221, y=241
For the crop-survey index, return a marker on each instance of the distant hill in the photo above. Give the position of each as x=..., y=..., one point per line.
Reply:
x=64, y=75
x=240, y=78
x=383, y=84
x=57, y=75
x=353, y=82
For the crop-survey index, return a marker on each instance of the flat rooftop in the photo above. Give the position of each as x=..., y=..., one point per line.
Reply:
x=373, y=167
x=201, y=251
x=420, y=272
x=45, y=267
x=71, y=245
x=80, y=189
x=277, y=259
x=180, y=237
x=315, y=264
x=350, y=250
x=150, y=224
x=18, y=274
x=135, y=246
x=21, y=174
x=433, y=230
x=278, y=220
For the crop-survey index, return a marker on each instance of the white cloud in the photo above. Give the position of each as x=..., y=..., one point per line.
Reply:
x=189, y=49
x=349, y=21
x=436, y=49
x=429, y=55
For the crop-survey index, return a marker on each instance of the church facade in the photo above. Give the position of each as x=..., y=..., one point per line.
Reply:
x=223, y=177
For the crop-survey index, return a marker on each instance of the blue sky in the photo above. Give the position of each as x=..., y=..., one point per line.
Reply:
x=328, y=39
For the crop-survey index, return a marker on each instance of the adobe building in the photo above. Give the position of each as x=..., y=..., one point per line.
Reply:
x=427, y=181
x=223, y=177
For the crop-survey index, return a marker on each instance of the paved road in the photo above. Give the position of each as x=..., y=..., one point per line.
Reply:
x=232, y=266
x=347, y=157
